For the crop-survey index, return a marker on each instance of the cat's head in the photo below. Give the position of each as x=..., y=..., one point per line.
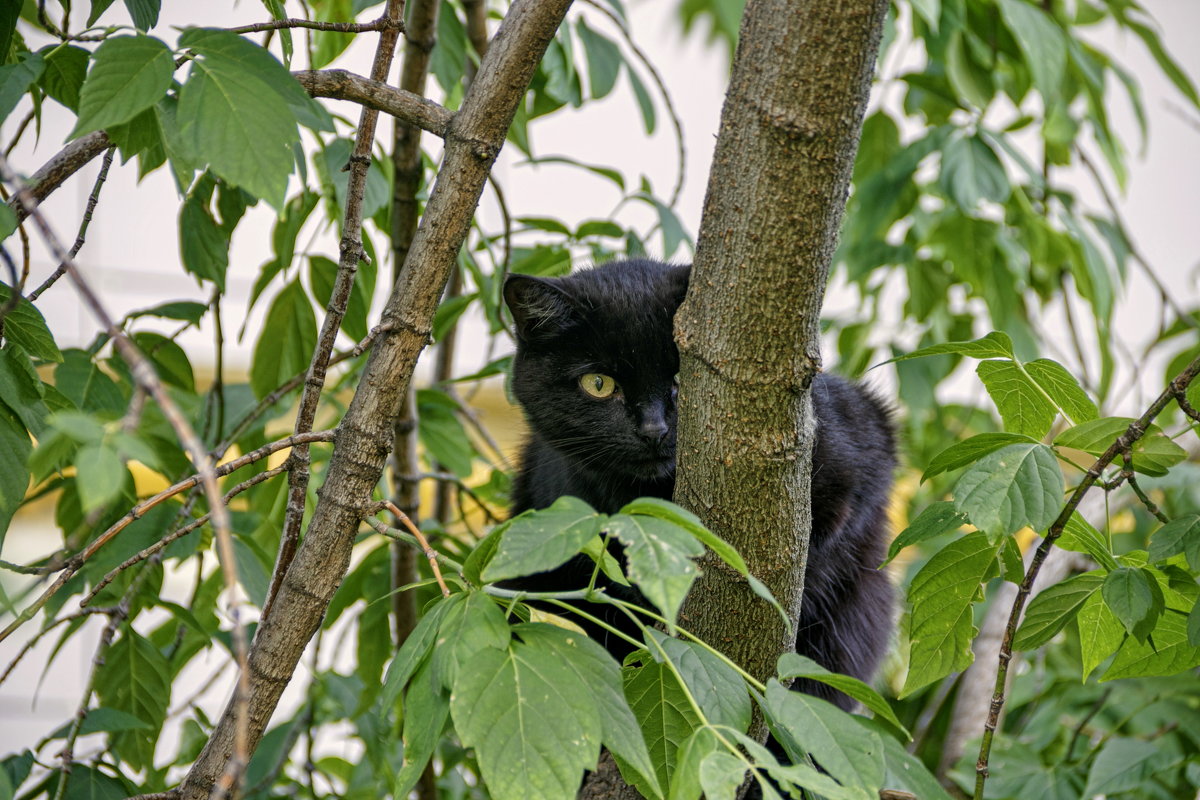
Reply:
x=596, y=363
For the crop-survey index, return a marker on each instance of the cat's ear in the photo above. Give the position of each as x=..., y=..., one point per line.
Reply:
x=538, y=307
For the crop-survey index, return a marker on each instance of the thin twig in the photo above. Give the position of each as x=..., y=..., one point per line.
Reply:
x=1136, y=430
x=351, y=253
x=1186, y=407
x=147, y=552
x=20, y=130
x=334, y=27
x=417, y=537
x=75, y=562
x=1127, y=474
x=93, y=198
x=62, y=165
x=37, y=637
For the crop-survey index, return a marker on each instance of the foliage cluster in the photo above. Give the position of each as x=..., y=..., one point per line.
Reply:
x=969, y=215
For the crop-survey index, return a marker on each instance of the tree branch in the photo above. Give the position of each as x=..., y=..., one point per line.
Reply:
x=1135, y=431
x=335, y=310
x=338, y=84
x=474, y=138
x=62, y=165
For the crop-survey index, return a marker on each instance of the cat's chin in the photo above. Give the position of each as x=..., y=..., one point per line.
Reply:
x=651, y=469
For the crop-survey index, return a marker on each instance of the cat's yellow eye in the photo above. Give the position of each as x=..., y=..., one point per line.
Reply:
x=597, y=385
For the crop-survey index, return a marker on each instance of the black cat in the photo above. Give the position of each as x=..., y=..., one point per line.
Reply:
x=595, y=372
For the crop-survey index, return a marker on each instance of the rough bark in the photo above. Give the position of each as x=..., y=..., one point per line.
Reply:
x=748, y=331
x=363, y=439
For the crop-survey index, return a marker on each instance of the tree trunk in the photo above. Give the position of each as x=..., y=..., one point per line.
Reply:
x=748, y=332
x=363, y=440
x=776, y=194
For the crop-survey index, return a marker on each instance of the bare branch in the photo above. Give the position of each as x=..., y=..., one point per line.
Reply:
x=338, y=84
x=335, y=310
x=61, y=166
x=430, y=553
x=93, y=198
x=473, y=140
x=335, y=27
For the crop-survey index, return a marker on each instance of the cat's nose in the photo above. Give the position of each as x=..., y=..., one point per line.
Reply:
x=654, y=431
x=654, y=426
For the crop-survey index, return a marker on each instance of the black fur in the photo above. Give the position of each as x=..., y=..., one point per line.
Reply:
x=616, y=319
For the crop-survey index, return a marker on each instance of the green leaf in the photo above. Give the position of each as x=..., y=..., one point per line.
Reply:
x=805, y=725
x=1024, y=408
x=236, y=123
x=662, y=709
x=685, y=782
x=721, y=774
x=426, y=709
x=448, y=314
x=1167, y=64
x=471, y=624
x=183, y=310
x=1125, y=764
x=15, y=80
x=1054, y=608
x=104, y=720
x=972, y=172
x=286, y=343
x=969, y=451
x=1079, y=536
x=935, y=520
x=14, y=472
x=9, y=13
x=144, y=12
x=794, y=665
x=1100, y=633
x=129, y=74
x=644, y=103
x=596, y=669
x=414, y=651
x=1015, y=486
x=22, y=390
x=1166, y=652
x=603, y=59
x=668, y=511
x=717, y=688
x=1041, y=41
x=534, y=726
x=1193, y=625
x=88, y=783
x=1128, y=595
x=1153, y=454
x=86, y=385
x=1180, y=535
x=441, y=433
x=214, y=43
x=101, y=474
x=941, y=625
x=26, y=326
x=134, y=679
x=1063, y=389
x=660, y=559
x=169, y=359
x=544, y=539
x=995, y=345
x=66, y=68
x=202, y=244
